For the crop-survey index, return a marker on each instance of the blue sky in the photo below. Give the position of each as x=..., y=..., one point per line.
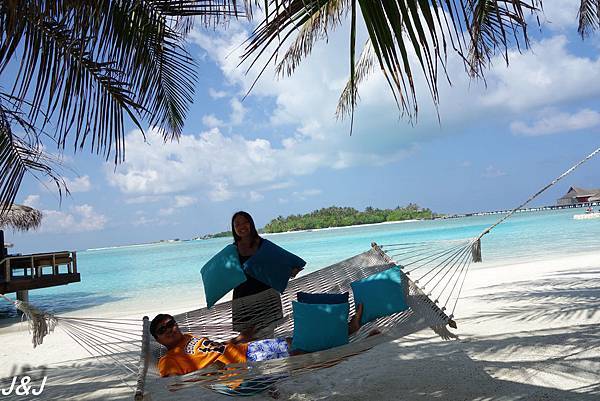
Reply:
x=281, y=150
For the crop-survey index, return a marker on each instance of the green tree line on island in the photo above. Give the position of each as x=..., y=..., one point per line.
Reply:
x=335, y=216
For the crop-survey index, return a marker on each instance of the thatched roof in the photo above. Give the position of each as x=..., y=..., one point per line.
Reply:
x=576, y=191
x=20, y=218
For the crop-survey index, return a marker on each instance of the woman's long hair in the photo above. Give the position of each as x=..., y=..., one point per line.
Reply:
x=253, y=231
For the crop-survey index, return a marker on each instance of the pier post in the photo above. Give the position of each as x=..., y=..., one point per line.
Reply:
x=23, y=295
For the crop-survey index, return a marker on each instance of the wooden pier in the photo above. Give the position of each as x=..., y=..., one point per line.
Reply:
x=27, y=272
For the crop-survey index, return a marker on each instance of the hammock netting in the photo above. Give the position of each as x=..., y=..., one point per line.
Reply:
x=442, y=267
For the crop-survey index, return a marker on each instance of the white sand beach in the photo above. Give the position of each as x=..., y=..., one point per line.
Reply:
x=527, y=331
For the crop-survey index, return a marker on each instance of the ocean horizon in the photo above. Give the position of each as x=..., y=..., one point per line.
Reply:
x=125, y=277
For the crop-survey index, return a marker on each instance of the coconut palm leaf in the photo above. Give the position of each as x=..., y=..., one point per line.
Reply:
x=406, y=36
x=91, y=63
x=86, y=67
x=589, y=17
x=18, y=157
x=364, y=68
x=326, y=19
x=491, y=25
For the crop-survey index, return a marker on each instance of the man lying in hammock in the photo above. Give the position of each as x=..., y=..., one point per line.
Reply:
x=187, y=353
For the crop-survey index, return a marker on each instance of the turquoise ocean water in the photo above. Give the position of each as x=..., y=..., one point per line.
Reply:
x=168, y=272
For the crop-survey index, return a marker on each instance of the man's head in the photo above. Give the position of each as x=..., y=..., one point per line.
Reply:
x=165, y=330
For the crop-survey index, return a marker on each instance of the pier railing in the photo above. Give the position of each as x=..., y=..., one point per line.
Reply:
x=39, y=270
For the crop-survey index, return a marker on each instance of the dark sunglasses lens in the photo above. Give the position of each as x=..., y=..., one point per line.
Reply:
x=169, y=325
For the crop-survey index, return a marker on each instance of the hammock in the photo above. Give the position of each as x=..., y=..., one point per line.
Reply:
x=129, y=344
x=433, y=272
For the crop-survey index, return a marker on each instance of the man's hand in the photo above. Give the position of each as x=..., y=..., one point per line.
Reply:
x=244, y=336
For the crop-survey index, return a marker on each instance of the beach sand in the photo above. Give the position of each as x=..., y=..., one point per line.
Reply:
x=527, y=331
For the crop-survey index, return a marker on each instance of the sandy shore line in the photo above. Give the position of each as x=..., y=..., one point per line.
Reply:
x=527, y=331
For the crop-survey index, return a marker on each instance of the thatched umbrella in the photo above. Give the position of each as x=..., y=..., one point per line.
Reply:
x=19, y=218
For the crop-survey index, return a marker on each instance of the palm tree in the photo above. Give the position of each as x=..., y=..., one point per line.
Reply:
x=404, y=36
x=73, y=72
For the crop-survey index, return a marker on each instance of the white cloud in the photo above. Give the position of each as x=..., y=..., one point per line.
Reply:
x=146, y=221
x=493, y=172
x=216, y=94
x=79, y=184
x=465, y=164
x=303, y=195
x=32, y=201
x=184, y=201
x=236, y=117
x=220, y=192
x=238, y=111
x=559, y=15
x=166, y=211
x=255, y=196
x=82, y=218
x=211, y=162
x=547, y=75
x=554, y=122
x=144, y=199
x=211, y=121
x=222, y=167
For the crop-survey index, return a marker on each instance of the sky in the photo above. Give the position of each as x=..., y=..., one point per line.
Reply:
x=281, y=151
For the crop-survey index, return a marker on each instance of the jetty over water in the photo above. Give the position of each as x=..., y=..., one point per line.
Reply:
x=21, y=273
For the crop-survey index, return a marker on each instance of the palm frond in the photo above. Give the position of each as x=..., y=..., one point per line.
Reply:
x=589, y=17
x=89, y=65
x=364, y=67
x=18, y=157
x=493, y=26
x=316, y=28
x=406, y=36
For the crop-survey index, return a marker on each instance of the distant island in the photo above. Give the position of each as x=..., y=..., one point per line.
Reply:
x=336, y=216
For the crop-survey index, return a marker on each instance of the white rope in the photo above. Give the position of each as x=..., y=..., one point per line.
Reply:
x=40, y=323
x=532, y=197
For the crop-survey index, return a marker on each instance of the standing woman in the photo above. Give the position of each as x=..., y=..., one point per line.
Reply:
x=255, y=313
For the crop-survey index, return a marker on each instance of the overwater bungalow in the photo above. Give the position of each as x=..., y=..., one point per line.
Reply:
x=578, y=196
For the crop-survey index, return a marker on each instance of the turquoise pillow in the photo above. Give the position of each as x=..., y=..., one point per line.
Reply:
x=272, y=265
x=322, y=298
x=222, y=274
x=381, y=294
x=319, y=326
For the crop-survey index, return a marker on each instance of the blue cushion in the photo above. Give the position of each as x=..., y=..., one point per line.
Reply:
x=381, y=294
x=272, y=265
x=319, y=326
x=221, y=274
x=322, y=298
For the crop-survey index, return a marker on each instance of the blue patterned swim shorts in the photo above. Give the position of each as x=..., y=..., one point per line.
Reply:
x=263, y=350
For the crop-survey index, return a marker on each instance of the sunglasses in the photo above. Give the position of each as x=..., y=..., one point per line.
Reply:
x=167, y=326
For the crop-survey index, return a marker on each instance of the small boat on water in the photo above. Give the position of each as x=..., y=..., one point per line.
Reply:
x=587, y=215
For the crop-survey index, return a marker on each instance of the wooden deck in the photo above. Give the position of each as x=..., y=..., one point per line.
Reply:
x=27, y=272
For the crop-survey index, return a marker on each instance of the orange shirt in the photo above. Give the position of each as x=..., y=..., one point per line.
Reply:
x=193, y=353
